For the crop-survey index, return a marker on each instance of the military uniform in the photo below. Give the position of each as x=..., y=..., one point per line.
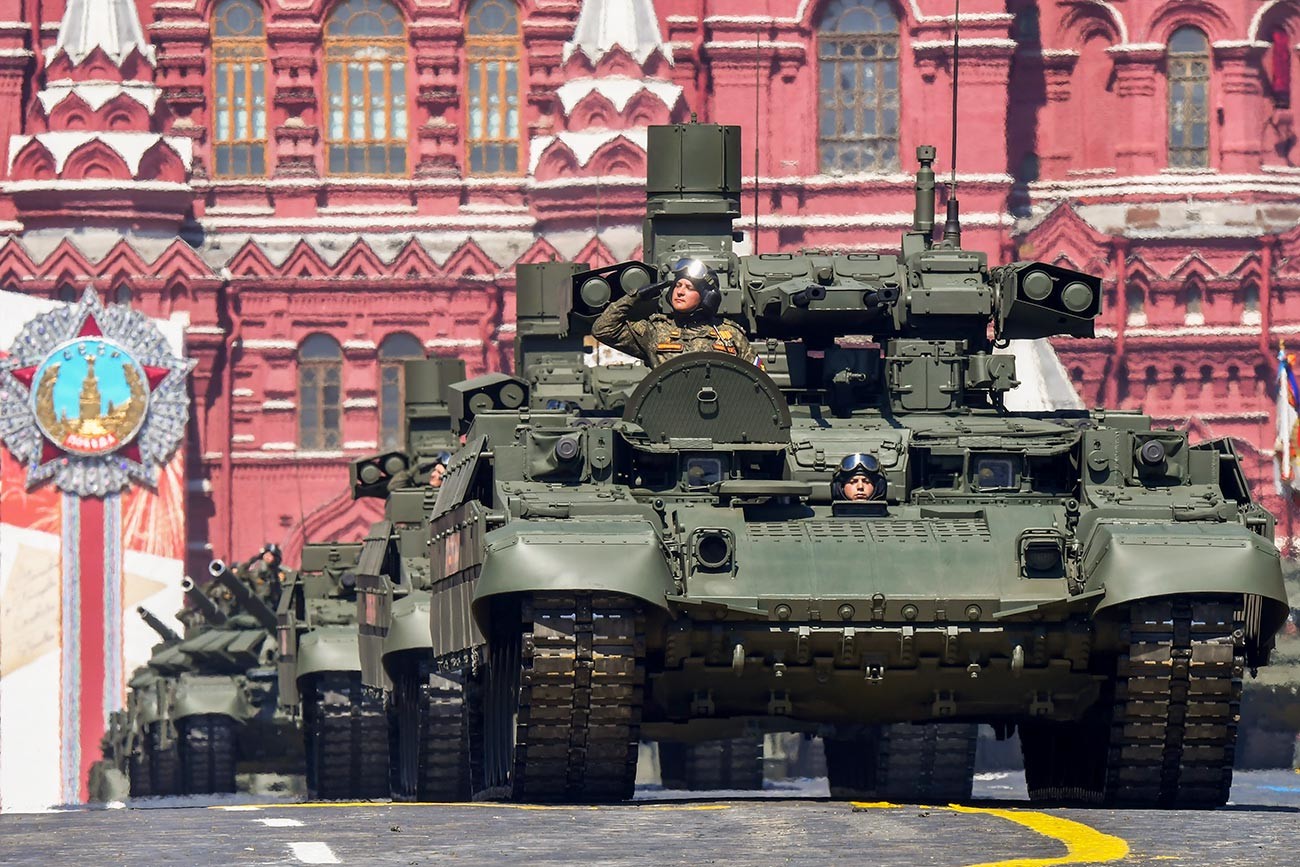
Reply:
x=658, y=337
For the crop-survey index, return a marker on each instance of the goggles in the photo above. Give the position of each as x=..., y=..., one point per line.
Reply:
x=692, y=268
x=862, y=462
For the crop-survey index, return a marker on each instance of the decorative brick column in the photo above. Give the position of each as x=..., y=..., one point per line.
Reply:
x=1142, y=137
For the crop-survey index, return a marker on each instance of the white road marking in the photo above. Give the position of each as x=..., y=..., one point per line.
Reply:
x=281, y=823
x=313, y=853
x=238, y=808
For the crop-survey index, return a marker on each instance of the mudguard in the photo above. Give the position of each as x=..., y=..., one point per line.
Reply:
x=1132, y=561
x=614, y=556
x=328, y=648
x=409, y=627
x=197, y=695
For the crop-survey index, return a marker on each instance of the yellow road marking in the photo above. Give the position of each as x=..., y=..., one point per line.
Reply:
x=1083, y=845
x=315, y=805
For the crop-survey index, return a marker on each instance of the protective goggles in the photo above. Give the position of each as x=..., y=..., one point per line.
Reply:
x=692, y=268
x=862, y=462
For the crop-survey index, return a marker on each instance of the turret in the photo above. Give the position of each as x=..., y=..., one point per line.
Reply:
x=244, y=598
x=936, y=309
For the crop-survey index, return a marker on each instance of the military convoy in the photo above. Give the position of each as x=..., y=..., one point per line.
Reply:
x=618, y=553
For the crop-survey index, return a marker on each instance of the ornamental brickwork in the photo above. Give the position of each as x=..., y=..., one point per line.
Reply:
x=321, y=189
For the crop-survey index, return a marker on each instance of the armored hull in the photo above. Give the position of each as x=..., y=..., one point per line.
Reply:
x=689, y=566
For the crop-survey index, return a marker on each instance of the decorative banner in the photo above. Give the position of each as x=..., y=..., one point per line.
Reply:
x=93, y=398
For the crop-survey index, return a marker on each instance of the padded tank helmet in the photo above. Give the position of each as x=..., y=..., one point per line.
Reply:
x=859, y=464
x=703, y=278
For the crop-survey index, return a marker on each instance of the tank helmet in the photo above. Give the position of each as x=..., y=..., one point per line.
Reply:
x=703, y=278
x=860, y=464
x=272, y=549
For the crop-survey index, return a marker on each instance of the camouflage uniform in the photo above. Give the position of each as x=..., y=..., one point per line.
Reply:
x=657, y=337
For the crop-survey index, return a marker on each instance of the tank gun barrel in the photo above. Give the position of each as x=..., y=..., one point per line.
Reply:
x=202, y=603
x=165, y=632
x=244, y=598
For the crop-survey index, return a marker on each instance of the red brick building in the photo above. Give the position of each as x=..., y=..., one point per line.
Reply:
x=324, y=188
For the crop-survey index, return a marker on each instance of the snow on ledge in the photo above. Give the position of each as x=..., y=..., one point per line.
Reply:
x=584, y=144
x=130, y=146
x=619, y=90
x=97, y=94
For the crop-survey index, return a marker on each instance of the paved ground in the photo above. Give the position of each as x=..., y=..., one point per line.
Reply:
x=789, y=825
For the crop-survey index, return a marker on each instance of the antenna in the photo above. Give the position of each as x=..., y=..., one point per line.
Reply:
x=952, y=223
x=758, y=38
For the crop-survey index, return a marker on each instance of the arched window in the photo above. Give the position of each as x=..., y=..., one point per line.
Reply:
x=320, y=392
x=1193, y=300
x=239, y=89
x=492, y=51
x=365, y=90
x=1250, y=305
x=1136, y=298
x=1278, y=65
x=393, y=353
x=1189, y=98
x=857, y=53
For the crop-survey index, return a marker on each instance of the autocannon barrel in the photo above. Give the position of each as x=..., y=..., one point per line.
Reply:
x=165, y=632
x=244, y=598
x=202, y=603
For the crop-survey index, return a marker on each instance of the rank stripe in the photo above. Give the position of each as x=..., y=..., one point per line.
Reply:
x=92, y=638
x=1083, y=844
x=114, y=691
x=69, y=649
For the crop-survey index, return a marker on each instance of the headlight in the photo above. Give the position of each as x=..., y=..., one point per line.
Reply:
x=713, y=548
x=1042, y=554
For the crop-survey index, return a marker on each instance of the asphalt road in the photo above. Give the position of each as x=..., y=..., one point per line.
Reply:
x=789, y=825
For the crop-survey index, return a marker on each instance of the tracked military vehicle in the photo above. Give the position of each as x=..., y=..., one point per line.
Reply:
x=344, y=729
x=204, y=702
x=685, y=570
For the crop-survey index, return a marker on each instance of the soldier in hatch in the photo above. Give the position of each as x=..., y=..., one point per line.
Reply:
x=432, y=469
x=859, y=479
x=264, y=576
x=633, y=324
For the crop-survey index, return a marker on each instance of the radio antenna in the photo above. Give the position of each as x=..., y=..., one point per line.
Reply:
x=758, y=60
x=952, y=223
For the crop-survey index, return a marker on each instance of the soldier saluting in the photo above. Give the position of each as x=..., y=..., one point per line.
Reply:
x=633, y=324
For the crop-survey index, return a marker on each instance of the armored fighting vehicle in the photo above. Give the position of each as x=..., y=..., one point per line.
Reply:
x=685, y=569
x=344, y=728
x=201, y=704
x=396, y=646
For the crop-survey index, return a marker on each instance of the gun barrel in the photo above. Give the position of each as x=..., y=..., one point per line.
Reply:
x=165, y=632
x=244, y=597
x=202, y=603
x=217, y=567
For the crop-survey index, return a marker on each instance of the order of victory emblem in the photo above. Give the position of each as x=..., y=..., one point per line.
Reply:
x=92, y=397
